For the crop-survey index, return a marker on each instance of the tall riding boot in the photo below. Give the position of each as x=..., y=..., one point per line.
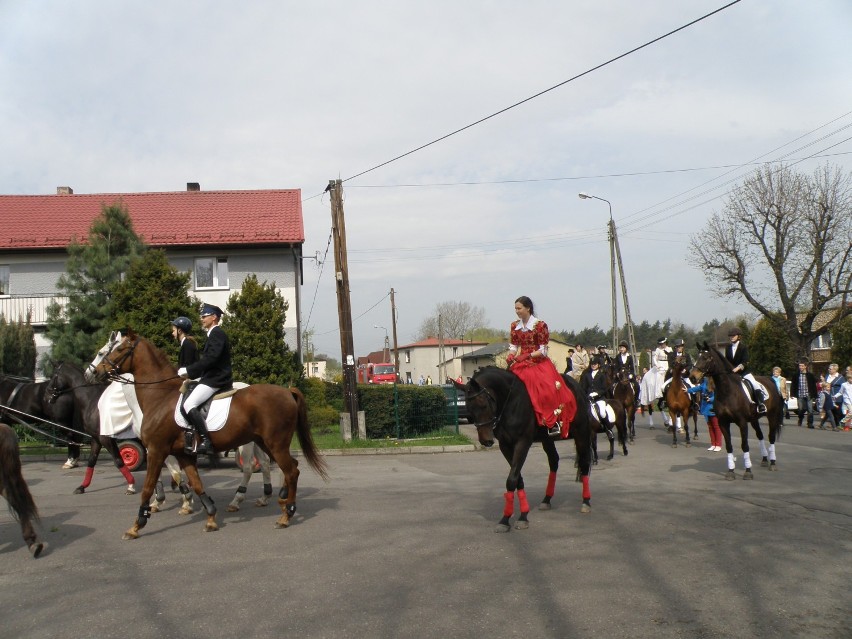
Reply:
x=200, y=424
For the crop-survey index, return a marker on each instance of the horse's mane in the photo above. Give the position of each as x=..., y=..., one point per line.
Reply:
x=158, y=354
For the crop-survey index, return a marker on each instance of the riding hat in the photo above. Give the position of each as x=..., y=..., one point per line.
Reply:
x=602, y=347
x=734, y=331
x=624, y=344
x=183, y=323
x=595, y=360
x=679, y=342
x=662, y=340
x=210, y=309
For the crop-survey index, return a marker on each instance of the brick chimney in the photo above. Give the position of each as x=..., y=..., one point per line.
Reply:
x=193, y=186
x=64, y=190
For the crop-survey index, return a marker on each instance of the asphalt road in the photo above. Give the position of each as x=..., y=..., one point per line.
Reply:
x=402, y=545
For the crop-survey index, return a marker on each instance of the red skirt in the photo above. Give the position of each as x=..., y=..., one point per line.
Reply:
x=551, y=399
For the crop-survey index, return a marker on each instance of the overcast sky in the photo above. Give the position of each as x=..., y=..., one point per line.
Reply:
x=108, y=96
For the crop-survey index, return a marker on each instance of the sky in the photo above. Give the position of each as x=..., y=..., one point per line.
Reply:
x=107, y=96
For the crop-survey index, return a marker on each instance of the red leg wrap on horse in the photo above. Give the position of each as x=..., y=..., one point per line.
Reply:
x=509, y=506
x=88, y=478
x=551, y=485
x=127, y=475
x=522, y=498
x=587, y=494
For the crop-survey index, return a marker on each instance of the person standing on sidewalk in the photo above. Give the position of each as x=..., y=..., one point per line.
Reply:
x=803, y=388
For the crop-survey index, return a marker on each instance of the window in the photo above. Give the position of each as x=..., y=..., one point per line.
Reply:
x=407, y=357
x=211, y=272
x=823, y=341
x=4, y=279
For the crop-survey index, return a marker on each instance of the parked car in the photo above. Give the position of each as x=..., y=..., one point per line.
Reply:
x=455, y=401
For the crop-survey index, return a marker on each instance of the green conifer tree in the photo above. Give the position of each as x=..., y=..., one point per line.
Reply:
x=841, y=343
x=94, y=267
x=152, y=294
x=770, y=346
x=255, y=326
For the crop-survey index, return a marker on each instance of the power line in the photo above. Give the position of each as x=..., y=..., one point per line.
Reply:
x=541, y=93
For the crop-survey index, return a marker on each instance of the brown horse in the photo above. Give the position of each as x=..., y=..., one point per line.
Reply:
x=679, y=405
x=15, y=489
x=624, y=391
x=266, y=414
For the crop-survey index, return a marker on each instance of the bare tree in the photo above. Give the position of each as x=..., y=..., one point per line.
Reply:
x=457, y=319
x=783, y=242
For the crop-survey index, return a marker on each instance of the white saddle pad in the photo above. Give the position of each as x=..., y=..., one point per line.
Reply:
x=216, y=418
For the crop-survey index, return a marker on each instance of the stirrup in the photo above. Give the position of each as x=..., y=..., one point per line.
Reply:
x=189, y=443
x=761, y=408
x=555, y=430
x=205, y=447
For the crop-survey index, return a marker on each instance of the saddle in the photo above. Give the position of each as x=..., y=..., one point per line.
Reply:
x=189, y=385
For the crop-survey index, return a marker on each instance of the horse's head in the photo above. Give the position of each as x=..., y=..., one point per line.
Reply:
x=59, y=383
x=707, y=364
x=117, y=359
x=113, y=340
x=482, y=408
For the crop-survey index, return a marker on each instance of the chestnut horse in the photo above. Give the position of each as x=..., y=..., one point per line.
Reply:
x=732, y=405
x=500, y=408
x=266, y=414
x=679, y=405
x=15, y=489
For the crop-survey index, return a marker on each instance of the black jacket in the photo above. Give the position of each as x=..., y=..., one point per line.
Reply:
x=740, y=357
x=188, y=353
x=626, y=365
x=214, y=367
x=596, y=384
x=685, y=359
x=809, y=379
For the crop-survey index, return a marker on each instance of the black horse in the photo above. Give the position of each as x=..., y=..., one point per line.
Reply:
x=605, y=424
x=732, y=405
x=29, y=397
x=15, y=489
x=500, y=407
x=68, y=382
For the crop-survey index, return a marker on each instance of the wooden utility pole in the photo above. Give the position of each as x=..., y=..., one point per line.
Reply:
x=395, y=343
x=344, y=308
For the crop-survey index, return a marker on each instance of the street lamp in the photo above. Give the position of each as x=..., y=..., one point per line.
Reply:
x=615, y=250
x=386, y=355
x=586, y=196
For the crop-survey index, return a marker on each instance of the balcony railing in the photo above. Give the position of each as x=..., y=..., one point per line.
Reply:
x=15, y=307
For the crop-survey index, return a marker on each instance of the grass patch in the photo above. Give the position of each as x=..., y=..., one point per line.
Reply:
x=332, y=441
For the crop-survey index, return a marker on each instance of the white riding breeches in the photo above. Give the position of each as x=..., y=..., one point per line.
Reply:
x=198, y=396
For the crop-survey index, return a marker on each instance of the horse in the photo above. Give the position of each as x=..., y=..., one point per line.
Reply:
x=500, y=407
x=267, y=414
x=15, y=489
x=732, y=405
x=625, y=392
x=618, y=421
x=248, y=454
x=680, y=406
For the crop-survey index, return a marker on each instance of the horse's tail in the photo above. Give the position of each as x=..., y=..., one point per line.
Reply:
x=11, y=480
x=306, y=440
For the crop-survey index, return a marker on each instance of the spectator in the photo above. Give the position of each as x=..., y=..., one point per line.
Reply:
x=846, y=395
x=803, y=388
x=835, y=379
x=708, y=397
x=579, y=361
x=825, y=406
x=781, y=384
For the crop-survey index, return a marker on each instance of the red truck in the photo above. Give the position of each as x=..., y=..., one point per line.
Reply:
x=382, y=373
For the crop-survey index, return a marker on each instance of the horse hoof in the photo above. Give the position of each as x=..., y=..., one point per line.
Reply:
x=748, y=474
x=674, y=445
x=688, y=445
x=36, y=549
x=155, y=508
x=730, y=475
x=585, y=509
x=232, y=509
x=544, y=506
x=522, y=525
x=130, y=535
x=79, y=490
x=772, y=466
x=501, y=528
x=210, y=527
x=764, y=462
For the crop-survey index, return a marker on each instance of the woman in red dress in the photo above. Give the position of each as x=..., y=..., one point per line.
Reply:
x=553, y=403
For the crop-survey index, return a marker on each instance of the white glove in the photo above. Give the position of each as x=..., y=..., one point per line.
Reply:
x=182, y=372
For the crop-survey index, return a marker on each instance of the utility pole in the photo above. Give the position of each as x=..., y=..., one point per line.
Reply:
x=630, y=337
x=344, y=308
x=393, y=328
x=612, y=276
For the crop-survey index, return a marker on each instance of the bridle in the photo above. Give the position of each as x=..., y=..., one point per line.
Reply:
x=114, y=373
x=494, y=422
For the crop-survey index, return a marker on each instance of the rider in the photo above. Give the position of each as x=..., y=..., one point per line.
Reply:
x=624, y=362
x=552, y=402
x=182, y=332
x=679, y=354
x=593, y=381
x=660, y=364
x=603, y=355
x=737, y=354
x=214, y=371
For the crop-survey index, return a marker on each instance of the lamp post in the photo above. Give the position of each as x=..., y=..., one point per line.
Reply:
x=614, y=250
x=586, y=196
x=386, y=352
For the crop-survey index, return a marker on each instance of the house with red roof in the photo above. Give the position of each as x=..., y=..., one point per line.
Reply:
x=219, y=236
x=434, y=357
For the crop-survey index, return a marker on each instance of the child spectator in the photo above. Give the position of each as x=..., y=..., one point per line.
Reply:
x=706, y=409
x=825, y=406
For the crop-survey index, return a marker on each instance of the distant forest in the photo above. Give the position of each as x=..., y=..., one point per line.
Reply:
x=647, y=335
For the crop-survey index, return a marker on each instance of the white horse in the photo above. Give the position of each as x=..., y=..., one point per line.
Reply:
x=118, y=404
x=247, y=454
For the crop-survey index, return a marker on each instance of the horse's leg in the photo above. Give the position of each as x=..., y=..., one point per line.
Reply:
x=196, y=484
x=280, y=452
x=673, y=419
x=621, y=425
x=725, y=427
x=266, y=472
x=632, y=424
x=245, y=454
x=90, y=466
x=177, y=479
x=155, y=464
x=553, y=462
x=583, y=446
x=684, y=416
x=746, y=455
x=611, y=437
x=112, y=448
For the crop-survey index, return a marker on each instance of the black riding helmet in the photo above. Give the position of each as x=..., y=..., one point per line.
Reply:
x=734, y=331
x=183, y=323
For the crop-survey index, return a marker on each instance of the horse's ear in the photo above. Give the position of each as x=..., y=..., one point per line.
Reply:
x=706, y=346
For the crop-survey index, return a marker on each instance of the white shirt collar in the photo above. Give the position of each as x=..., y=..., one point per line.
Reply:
x=531, y=322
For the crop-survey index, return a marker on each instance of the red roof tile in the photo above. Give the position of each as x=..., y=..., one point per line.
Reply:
x=181, y=218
